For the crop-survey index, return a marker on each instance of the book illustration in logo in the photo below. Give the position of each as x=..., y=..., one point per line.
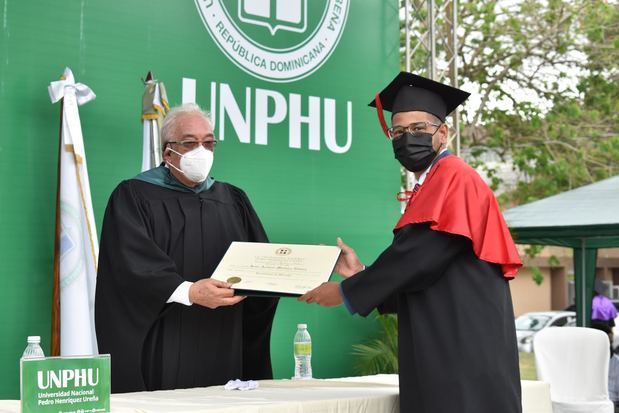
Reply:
x=290, y=15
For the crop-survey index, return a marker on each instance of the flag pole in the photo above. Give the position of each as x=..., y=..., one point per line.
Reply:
x=55, y=341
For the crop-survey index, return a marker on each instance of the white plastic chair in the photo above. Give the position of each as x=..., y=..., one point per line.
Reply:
x=574, y=361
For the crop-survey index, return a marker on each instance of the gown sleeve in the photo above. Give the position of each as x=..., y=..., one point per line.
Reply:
x=417, y=258
x=134, y=280
x=258, y=312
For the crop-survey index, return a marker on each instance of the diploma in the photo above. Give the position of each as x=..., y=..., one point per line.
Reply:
x=289, y=270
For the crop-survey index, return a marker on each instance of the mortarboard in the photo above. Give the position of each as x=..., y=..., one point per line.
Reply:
x=409, y=92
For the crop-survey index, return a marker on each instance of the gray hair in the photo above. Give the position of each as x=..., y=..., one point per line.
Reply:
x=171, y=120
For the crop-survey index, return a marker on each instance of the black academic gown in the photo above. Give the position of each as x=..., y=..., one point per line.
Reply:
x=153, y=239
x=457, y=339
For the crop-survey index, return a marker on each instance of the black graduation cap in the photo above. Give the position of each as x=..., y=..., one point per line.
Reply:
x=409, y=92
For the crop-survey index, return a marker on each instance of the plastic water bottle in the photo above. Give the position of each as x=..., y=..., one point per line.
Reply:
x=302, y=353
x=33, y=350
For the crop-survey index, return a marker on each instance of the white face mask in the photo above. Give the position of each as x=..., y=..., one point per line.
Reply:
x=195, y=164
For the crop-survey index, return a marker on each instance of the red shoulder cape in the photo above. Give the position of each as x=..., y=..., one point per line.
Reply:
x=456, y=200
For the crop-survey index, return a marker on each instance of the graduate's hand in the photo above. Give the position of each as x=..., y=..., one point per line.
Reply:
x=213, y=293
x=327, y=294
x=347, y=263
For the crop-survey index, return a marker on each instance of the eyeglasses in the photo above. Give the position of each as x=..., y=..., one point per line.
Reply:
x=396, y=131
x=191, y=145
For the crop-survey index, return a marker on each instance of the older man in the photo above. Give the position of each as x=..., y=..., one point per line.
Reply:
x=446, y=271
x=166, y=324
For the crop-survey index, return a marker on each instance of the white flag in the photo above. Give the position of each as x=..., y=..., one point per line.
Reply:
x=79, y=247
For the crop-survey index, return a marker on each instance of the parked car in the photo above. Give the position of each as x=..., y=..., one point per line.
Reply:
x=529, y=324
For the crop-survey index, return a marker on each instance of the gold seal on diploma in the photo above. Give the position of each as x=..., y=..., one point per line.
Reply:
x=234, y=280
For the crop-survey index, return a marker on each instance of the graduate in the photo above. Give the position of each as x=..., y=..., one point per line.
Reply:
x=166, y=324
x=446, y=273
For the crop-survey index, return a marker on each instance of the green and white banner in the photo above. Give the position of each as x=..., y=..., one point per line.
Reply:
x=279, y=42
x=287, y=83
x=65, y=384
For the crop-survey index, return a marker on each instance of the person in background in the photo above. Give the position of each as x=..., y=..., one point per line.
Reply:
x=603, y=311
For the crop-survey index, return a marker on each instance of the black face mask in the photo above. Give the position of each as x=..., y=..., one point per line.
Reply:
x=414, y=151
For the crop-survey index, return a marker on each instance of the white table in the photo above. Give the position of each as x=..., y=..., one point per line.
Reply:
x=371, y=394
x=535, y=397
x=272, y=396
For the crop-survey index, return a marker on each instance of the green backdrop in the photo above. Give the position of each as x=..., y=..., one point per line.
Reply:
x=301, y=195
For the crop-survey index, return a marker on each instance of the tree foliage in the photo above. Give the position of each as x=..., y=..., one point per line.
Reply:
x=546, y=81
x=558, y=54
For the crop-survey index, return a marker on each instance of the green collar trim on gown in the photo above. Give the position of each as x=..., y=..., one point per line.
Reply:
x=161, y=176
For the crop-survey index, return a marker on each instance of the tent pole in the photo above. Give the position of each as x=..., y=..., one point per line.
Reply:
x=583, y=277
x=585, y=259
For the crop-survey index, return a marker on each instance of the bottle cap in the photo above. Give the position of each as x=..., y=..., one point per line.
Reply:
x=301, y=325
x=34, y=339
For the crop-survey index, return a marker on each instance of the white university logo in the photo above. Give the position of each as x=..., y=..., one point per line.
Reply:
x=275, y=40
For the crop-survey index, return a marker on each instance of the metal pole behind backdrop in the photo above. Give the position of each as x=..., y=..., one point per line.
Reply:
x=431, y=26
x=407, y=35
x=431, y=41
x=454, y=72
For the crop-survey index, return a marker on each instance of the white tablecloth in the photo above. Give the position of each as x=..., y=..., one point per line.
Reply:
x=535, y=397
x=371, y=394
x=272, y=396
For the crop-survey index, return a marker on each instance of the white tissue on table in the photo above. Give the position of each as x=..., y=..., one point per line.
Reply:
x=241, y=385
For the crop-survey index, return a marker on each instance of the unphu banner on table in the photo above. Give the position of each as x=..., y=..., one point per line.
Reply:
x=287, y=83
x=65, y=384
